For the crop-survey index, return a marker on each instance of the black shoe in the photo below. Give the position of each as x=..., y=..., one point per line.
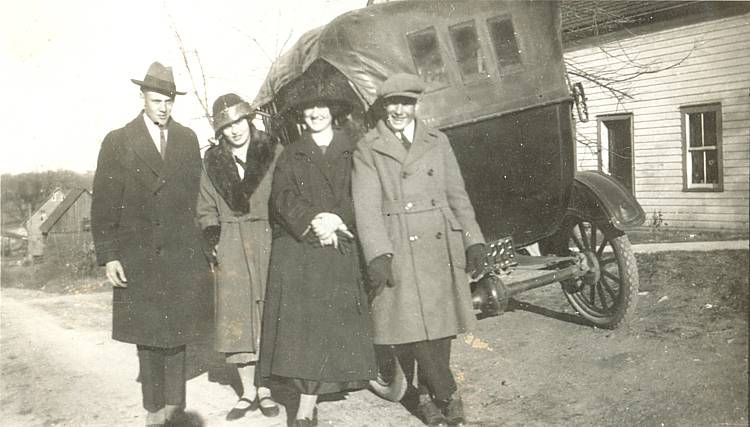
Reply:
x=307, y=422
x=268, y=411
x=430, y=413
x=237, y=413
x=454, y=411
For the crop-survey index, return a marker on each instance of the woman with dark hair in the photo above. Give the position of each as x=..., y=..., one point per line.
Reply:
x=316, y=332
x=233, y=213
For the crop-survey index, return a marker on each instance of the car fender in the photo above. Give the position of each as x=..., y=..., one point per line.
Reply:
x=599, y=197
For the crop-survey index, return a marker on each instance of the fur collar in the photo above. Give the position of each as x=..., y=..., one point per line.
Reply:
x=221, y=169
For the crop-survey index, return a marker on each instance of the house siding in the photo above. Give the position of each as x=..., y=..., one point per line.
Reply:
x=35, y=237
x=68, y=234
x=713, y=60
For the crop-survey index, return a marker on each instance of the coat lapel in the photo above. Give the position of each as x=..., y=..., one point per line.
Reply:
x=424, y=141
x=388, y=144
x=339, y=158
x=143, y=146
x=335, y=165
x=175, y=157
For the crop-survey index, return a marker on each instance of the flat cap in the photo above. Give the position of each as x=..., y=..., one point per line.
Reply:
x=402, y=84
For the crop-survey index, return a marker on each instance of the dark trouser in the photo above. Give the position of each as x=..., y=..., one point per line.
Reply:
x=162, y=376
x=433, y=366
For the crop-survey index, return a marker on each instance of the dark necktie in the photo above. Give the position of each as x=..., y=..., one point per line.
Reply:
x=241, y=163
x=404, y=141
x=162, y=142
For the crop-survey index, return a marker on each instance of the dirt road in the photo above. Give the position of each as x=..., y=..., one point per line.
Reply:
x=682, y=362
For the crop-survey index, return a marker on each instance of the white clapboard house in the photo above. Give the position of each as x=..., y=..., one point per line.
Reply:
x=668, y=95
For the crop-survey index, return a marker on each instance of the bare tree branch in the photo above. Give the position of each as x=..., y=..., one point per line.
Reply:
x=202, y=98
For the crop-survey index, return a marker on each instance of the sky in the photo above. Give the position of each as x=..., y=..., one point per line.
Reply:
x=67, y=65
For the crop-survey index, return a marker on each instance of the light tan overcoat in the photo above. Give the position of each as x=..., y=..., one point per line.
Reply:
x=413, y=204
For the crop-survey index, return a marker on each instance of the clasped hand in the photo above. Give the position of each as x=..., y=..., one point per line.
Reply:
x=325, y=226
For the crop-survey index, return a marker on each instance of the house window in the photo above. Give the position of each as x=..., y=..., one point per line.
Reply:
x=85, y=224
x=701, y=134
x=504, y=41
x=425, y=50
x=469, y=55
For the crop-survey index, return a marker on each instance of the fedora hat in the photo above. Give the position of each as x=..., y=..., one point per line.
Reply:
x=159, y=79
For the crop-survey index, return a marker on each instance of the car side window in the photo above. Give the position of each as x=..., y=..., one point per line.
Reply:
x=504, y=41
x=425, y=50
x=471, y=61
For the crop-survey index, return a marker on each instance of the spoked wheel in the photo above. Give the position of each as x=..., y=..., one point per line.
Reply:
x=391, y=383
x=608, y=293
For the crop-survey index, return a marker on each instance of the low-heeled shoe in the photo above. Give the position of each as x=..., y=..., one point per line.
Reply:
x=237, y=413
x=268, y=411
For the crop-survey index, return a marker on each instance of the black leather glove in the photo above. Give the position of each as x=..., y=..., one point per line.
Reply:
x=380, y=274
x=474, y=259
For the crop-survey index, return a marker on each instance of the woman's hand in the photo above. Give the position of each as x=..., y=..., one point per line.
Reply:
x=325, y=225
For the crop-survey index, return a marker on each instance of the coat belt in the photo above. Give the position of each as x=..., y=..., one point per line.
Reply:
x=417, y=203
x=243, y=218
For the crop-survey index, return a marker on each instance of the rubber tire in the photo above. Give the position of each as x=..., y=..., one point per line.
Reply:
x=579, y=292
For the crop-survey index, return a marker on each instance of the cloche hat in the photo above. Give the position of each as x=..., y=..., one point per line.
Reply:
x=229, y=108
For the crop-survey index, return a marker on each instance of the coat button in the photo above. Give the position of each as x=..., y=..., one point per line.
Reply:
x=413, y=238
x=158, y=251
x=434, y=203
x=404, y=175
x=431, y=172
x=439, y=235
x=409, y=206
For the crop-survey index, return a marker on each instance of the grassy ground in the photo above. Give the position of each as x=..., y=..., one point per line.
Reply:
x=716, y=280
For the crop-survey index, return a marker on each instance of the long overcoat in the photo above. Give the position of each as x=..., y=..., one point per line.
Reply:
x=316, y=322
x=413, y=204
x=244, y=246
x=143, y=214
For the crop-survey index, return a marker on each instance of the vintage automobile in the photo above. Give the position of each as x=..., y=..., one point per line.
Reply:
x=498, y=88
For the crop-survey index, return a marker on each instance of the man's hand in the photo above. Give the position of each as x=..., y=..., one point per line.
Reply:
x=475, y=259
x=380, y=274
x=116, y=274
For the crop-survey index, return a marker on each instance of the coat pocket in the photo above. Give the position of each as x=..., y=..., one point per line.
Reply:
x=455, y=233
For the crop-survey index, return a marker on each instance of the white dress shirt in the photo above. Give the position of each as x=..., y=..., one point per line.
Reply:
x=153, y=130
x=408, y=132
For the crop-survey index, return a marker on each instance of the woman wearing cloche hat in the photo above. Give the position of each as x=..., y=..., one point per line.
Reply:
x=233, y=213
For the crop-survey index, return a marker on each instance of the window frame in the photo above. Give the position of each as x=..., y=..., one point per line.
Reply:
x=486, y=59
x=507, y=69
x=687, y=164
x=433, y=85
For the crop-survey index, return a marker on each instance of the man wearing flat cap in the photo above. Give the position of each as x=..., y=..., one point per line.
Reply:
x=420, y=238
x=145, y=232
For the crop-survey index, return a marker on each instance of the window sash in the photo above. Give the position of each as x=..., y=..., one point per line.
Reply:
x=425, y=51
x=701, y=144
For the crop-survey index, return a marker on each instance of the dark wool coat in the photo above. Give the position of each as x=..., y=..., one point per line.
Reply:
x=244, y=238
x=143, y=214
x=413, y=204
x=316, y=320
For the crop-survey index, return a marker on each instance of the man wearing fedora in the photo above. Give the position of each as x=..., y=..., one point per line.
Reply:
x=145, y=232
x=420, y=237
